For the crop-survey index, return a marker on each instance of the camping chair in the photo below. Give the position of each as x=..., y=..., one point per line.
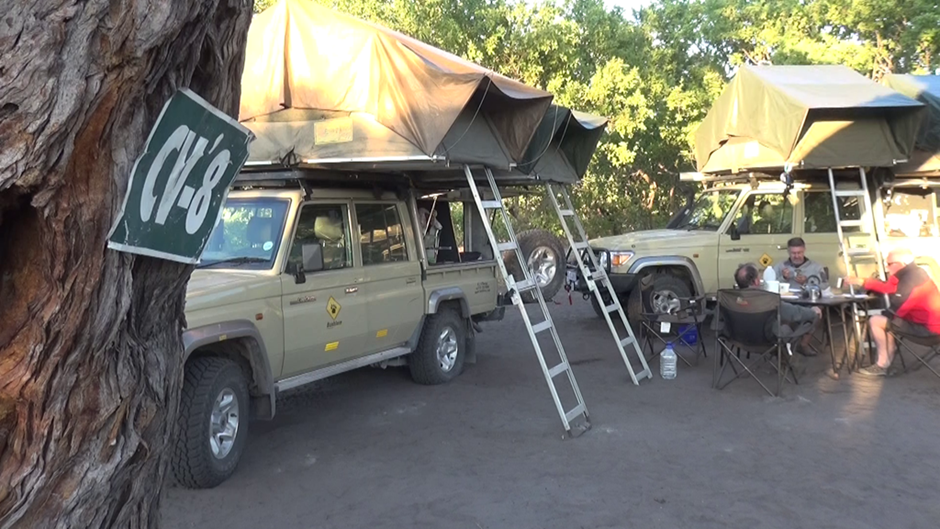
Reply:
x=748, y=321
x=676, y=326
x=903, y=339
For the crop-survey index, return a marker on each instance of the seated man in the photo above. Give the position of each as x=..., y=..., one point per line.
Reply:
x=747, y=276
x=915, y=302
x=798, y=268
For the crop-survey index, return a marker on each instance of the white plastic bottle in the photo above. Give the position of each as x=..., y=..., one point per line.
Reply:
x=667, y=363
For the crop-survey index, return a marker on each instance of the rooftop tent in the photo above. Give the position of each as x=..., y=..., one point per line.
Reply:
x=809, y=117
x=323, y=88
x=563, y=145
x=560, y=151
x=925, y=160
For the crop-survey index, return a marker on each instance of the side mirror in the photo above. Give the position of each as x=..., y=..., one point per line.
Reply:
x=735, y=236
x=312, y=257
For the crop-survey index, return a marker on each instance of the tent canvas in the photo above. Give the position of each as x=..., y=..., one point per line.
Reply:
x=305, y=57
x=807, y=117
x=925, y=160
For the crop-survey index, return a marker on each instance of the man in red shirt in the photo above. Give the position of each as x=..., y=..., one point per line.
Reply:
x=915, y=302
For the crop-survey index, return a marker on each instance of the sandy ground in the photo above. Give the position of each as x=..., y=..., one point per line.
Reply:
x=372, y=449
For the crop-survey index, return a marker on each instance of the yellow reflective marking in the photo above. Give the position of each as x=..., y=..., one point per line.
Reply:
x=382, y=334
x=223, y=337
x=332, y=346
x=766, y=260
x=333, y=307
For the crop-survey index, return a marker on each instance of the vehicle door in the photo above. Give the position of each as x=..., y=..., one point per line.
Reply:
x=760, y=229
x=391, y=273
x=325, y=316
x=819, y=229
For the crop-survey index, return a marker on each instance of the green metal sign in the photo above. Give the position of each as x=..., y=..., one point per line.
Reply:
x=179, y=183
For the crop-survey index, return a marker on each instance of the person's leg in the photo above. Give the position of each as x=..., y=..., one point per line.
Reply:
x=878, y=325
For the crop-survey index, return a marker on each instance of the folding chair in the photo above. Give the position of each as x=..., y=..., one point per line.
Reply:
x=687, y=313
x=748, y=321
x=904, y=336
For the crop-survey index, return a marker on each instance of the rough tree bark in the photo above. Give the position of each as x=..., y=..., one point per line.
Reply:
x=90, y=344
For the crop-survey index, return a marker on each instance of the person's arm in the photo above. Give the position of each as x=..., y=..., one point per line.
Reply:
x=882, y=287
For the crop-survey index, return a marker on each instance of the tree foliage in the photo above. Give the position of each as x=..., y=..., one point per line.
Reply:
x=655, y=72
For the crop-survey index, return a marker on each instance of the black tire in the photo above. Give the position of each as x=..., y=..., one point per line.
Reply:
x=530, y=241
x=194, y=464
x=425, y=366
x=598, y=310
x=663, y=283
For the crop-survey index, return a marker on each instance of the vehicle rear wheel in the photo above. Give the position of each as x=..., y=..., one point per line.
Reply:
x=545, y=257
x=666, y=291
x=212, y=424
x=441, y=350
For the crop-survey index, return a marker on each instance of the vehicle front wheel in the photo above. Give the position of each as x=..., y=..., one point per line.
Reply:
x=212, y=424
x=666, y=291
x=441, y=350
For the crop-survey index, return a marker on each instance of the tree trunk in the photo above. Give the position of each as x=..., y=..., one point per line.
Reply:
x=90, y=349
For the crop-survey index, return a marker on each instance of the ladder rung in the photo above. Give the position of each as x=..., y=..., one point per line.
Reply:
x=492, y=204
x=599, y=276
x=571, y=415
x=539, y=327
x=525, y=284
x=610, y=308
x=557, y=370
x=583, y=245
x=627, y=341
x=506, y=246
x=567, y=213
x=849, y=193
x=858, y=251
x=851, y=223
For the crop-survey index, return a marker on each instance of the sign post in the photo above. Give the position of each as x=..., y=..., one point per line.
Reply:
x=179, y=183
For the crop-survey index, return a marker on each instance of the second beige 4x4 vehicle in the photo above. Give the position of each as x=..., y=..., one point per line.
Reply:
x=729, y=224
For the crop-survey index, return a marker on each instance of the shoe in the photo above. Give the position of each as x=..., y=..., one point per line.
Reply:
x=873, y=370
x=804, y=350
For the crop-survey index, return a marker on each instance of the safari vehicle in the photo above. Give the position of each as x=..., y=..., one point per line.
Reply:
x=298, y=283
x=732, y=223
x=768, y=152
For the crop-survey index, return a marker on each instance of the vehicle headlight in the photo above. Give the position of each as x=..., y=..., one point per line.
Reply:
x=604, y=257
x=618, y=259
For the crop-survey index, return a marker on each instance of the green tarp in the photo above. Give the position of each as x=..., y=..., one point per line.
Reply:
x=925, y=160
x=806, y=117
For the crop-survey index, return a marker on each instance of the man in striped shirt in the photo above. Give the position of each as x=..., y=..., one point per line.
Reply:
x=915, y=304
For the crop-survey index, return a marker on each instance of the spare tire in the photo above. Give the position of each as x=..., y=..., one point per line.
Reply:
x=546, y=259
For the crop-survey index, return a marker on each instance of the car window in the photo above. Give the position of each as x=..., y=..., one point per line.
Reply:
x=764, y=214
x=911, y=213
x=817, y=212
x=247, y=235
x=327, y=225
x=380, y=234
x=707, y=212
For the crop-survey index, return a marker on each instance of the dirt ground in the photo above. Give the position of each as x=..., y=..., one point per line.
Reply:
x=372, y=449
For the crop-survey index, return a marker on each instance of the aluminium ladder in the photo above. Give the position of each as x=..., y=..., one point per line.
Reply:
x=515, y=289
x=871, y=247
x=581, y=248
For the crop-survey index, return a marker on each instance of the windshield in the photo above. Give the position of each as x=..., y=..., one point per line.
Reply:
x=248, y=234
x=912, y=212
x=707, y=212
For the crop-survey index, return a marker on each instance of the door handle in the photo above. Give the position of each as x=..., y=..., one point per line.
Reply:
x=780, y=247
x=411, y=280
x=352, y=290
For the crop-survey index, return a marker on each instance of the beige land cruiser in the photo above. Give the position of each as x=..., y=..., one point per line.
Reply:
x=299, y=283
x=729, y=224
